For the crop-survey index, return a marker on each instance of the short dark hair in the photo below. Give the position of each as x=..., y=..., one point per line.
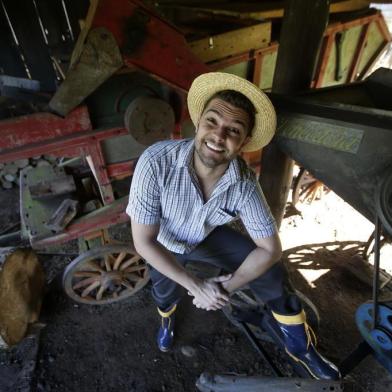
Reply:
x=238, y=100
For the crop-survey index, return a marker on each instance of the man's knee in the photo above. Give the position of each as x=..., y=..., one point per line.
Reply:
x=272, y=284
x=165, y=291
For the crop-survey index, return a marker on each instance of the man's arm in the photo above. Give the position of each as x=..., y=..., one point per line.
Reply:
x=260, y=224
x=267, y=253
x=207, y=294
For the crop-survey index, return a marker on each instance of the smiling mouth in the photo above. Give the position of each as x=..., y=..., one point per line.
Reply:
x=214, y=148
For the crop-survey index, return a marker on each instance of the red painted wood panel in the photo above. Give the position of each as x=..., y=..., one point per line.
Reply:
x=39, y=127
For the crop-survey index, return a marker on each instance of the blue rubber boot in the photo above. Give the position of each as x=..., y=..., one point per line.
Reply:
x=166, y=330
x=300, y=345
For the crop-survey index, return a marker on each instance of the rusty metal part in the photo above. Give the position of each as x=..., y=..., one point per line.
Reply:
x=63, y=215
x=149, y=120
x=149, y=43
x=51, y=188
x=34, y=130
x=74, y=136
x=104, y=275
x=35, y=213
x=49, y=135
x=100, y=58
x=85, y=225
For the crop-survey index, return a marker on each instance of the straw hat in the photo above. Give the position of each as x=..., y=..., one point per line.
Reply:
x=206, y=85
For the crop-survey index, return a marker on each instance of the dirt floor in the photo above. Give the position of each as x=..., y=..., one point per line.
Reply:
x=112, y=348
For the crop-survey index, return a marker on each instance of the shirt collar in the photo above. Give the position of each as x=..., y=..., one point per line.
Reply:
x=232, y=176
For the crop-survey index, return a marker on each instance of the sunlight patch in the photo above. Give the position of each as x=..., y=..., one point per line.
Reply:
x=311, y=275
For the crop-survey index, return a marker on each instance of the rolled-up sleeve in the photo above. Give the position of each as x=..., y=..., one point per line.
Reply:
x=144, y=196
x=256, y=215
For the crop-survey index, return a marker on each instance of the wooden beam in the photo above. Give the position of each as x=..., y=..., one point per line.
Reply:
x=259, y=10
x=257, y=69
x=239, y=58
x=83, y=33
x=382, y=26
x=373, y=60
x=358, y=53
x=339, y=26
x=305, y=26
x=322, y=63
x=348, y=6
x=304, y=22
x=26, y=27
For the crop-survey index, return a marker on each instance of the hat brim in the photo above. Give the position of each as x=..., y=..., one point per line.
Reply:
x=206, y=85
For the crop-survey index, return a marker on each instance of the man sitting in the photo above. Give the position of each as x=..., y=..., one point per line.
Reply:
x=184, y=192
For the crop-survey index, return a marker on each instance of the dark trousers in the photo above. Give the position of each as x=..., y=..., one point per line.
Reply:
x=227, y=249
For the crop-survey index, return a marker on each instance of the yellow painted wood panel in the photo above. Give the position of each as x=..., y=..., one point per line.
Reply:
x=240, y=69
x=268, y=70
x=231, y=43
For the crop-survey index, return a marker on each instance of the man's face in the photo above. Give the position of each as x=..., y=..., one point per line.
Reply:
x=221, y=133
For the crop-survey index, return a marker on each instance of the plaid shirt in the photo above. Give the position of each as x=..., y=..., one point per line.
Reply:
x=166, y=191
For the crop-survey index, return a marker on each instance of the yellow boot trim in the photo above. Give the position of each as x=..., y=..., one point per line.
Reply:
x=169, y=313
x=298, y=318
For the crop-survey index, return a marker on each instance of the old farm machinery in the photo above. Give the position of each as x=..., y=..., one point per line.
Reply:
x=125, y=89
x=126, y=112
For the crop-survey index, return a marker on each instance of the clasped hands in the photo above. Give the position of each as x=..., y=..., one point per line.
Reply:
x=210, y=294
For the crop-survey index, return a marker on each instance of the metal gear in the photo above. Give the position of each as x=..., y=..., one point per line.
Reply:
x=379, y=337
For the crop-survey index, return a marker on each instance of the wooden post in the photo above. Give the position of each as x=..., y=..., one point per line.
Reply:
x=303, y=27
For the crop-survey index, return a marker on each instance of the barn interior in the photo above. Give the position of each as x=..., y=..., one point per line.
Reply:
x=86, y=86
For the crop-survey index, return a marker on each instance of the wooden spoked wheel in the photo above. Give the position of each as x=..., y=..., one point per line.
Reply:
x=104, y=275
x=306, y=188
x=385, y=247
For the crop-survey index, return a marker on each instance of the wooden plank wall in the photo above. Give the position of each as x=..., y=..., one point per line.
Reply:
x=37, y=37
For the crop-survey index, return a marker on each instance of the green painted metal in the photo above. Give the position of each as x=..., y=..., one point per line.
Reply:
x=36, y=213
x=107, y=106
x=109, y=102
x=121, y=149
x=306, y=129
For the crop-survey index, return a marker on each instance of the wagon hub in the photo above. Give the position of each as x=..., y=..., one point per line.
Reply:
x=111, y=277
